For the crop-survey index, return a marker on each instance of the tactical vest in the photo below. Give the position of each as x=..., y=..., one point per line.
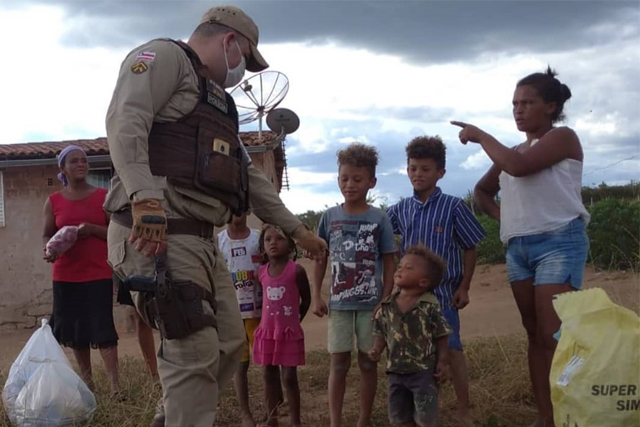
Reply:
x=202, y=150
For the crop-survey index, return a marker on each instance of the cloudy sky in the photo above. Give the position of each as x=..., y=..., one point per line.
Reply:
x=379, y=72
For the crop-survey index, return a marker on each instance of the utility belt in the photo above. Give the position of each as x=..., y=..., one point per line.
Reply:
x=187, y=226
x=175, y=307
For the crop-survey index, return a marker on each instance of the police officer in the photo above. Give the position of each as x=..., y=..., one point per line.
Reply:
x=181, y=169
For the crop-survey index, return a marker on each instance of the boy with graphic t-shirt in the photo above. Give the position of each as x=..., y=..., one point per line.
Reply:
x=361, y=249
x=239, y=245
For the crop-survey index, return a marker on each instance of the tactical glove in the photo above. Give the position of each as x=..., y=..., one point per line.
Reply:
x=149, y=220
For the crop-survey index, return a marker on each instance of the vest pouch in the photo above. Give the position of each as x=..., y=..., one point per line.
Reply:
x=218, y=163
x=168, y=155
x=220, y=171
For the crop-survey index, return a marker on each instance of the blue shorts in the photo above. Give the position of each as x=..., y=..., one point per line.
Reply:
x=453, y=319
x=555, y=257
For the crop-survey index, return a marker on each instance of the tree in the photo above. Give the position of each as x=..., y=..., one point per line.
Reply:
x=311, y=218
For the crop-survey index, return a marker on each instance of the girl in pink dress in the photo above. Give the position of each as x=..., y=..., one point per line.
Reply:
x=279, y=340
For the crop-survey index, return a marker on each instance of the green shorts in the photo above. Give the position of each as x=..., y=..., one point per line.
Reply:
x=344, y=325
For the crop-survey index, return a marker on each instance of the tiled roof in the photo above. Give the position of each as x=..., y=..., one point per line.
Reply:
x=43, y=150
x=251, y=139
x=93, y=147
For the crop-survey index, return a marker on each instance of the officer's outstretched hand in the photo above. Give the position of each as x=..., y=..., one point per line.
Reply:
x=313, y=246
x=149, y=227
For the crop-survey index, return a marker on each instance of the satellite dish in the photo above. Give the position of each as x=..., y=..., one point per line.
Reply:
x=258, y=95
x=283, y=121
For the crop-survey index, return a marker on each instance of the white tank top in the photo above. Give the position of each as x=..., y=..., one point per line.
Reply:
x=541, y=202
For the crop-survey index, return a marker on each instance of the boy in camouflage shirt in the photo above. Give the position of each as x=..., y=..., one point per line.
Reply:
x=410, y=324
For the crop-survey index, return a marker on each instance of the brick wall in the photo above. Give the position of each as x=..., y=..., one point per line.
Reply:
x=25, y=282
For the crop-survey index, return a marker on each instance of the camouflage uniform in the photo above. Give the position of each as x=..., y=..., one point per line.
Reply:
x=411, y=357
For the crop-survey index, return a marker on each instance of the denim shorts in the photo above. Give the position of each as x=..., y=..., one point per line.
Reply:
x=452, y=316
x=555, y=257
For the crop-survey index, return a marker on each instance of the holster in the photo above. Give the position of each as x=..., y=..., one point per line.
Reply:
x=175, y=307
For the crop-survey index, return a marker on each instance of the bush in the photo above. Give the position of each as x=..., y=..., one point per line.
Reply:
x=490, y=250
x=591, y=195
x=614, y=234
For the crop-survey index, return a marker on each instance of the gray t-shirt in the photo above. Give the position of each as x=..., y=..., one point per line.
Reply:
x=356, y=245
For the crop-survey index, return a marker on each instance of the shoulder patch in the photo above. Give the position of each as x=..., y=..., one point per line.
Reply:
x=216, y=89
x=139, y=67
x=146, y=56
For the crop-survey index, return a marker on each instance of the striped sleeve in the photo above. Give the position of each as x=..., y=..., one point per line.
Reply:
x=387, y=241
x=393, y=217
x=468, y=231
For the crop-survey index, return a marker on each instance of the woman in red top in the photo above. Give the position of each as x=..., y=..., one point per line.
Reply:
x=82, y=315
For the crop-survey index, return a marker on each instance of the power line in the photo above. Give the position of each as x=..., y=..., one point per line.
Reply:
x=611, y=165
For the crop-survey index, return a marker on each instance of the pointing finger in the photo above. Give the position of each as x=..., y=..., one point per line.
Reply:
x=460, y=124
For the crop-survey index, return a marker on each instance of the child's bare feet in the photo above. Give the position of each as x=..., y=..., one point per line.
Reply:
x=247, y=421
x=283, y=408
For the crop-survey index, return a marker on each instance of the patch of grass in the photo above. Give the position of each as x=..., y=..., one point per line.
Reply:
x=614, y=234
x=499, y=381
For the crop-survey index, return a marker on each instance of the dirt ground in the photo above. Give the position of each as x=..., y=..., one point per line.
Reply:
x=492, y=311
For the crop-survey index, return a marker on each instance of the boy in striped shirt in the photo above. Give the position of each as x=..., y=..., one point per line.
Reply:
x=446, y=225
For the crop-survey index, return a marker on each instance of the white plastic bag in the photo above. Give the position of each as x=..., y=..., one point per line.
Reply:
x=54, y=396
x=41, y=346
x=42, y=390
x=62, y=241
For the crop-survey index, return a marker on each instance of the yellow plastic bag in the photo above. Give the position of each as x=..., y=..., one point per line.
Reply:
x=595, y=374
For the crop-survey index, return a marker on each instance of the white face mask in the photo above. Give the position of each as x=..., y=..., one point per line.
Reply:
x=234, y=76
